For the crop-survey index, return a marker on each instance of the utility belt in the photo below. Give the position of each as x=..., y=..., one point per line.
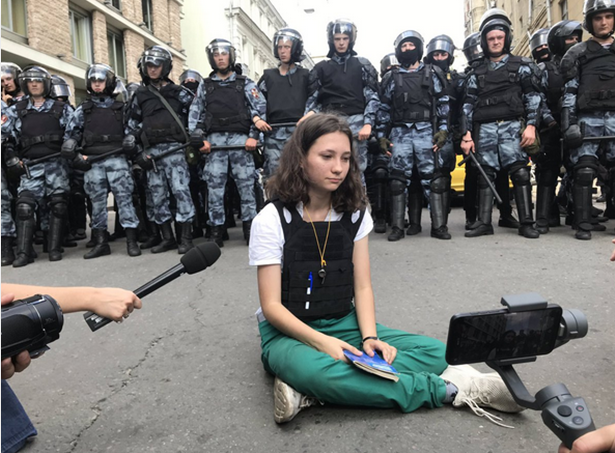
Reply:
x=346, y=109
x=49, y=140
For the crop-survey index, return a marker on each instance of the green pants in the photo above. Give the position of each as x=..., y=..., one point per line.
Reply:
x=420, y=361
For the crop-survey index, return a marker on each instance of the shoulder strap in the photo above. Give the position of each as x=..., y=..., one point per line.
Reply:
x=352, y=228
x=170, y=110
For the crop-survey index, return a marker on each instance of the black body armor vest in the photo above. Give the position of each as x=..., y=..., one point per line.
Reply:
x=597, y=81
x=413, y=97
x=286, y=95
x=342, y=86
x=103, y=127
x=226, y=106
x=159, y=126
x=41, y=132
x=334, y=298
x=500, y=96
x=555, y=87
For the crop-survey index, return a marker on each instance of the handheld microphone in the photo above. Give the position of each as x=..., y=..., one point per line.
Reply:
x=195, y=260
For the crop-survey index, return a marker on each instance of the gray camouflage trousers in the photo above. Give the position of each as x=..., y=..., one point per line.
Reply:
x=8, y=223
x=499, y=145
x=111, y=174
x=413, y=147
x=598, y=124
x=356, y=123
x=218, y=163
x=174, y=175
x=48, y=178
x=273, y=145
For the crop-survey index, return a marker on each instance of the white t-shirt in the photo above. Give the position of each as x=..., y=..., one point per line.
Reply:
x=267, y=236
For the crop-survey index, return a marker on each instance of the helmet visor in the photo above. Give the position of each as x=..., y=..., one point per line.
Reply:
x=154, y=57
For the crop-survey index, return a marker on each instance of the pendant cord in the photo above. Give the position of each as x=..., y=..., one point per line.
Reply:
x=322, y=251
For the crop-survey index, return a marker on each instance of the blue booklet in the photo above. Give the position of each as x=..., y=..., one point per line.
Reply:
x=375, y=365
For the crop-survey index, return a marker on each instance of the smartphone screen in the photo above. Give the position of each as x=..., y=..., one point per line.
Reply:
x=498, y=335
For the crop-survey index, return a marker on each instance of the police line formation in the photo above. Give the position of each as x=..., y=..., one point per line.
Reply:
x=166, y=151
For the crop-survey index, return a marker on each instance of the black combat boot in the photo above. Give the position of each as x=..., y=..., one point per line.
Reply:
x=216, y=234
x=7, y=251
x=483, y=226
x=185, y=238
x=101, y=244
x=55, y=237
x=168, y=239
x=154, y=238
x=523, y=197
x=132, y=247
x=247, y=226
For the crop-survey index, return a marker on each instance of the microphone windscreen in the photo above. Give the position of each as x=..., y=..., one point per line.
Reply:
x=200, y=256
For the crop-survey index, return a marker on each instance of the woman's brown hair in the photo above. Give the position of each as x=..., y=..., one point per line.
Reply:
x=289, y=183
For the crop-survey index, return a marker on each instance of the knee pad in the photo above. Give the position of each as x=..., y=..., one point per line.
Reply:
x=397, y=187
x=381, y=174
x=584, y=176
x=520, y=176
x=439, y=184
x=58, y=205
x=25, y=208
x=587, y=162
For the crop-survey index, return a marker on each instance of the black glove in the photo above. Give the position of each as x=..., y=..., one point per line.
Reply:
x=129, y=144
x=79, y=163
x=9, y=151
x=573, y=137
x=144, y=161
x=69, y=149
x=14, y=166
x=197, y=138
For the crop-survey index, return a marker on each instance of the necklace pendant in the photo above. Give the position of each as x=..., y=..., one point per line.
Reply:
x=322, y=273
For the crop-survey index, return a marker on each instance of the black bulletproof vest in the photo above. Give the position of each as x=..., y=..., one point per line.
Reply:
x=286, y=95
x=555, y=87
x=41, y=132
x=334, y=298
x=500, y=96
x=159, y=126
x=226, y=106
x=413, y=97
x=342, y=86
x=103, y=127
x=597, y=81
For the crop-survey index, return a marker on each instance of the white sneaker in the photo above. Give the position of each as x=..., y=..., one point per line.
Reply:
x=287, y=401
x=478, y=390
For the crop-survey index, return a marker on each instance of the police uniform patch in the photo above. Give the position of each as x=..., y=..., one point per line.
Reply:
x=255, y=94
x=4, y=119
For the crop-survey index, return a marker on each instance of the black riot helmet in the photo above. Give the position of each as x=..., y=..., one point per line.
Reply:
x=408, y=35
x=296, y=40
x=221, y=45
x=346, y=27
x=157, y=56
x=190, y=74
x=558, y=34
x=100, y=71
x=592, y=7
x=131, y=89
x=387, y=63
x=35, y=73
x=495, y=19
x=442, y=43
x=60, y=89
x=539, y=39
x=472, y=48
x=11, y=70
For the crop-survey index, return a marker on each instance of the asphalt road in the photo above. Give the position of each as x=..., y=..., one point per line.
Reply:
x=184, y=374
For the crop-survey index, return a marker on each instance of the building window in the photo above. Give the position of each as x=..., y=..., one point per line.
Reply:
x=14, y=16
x=563, y=6
x=147, y=14
x=116, y=4
x=81, y=35
x=117, y=59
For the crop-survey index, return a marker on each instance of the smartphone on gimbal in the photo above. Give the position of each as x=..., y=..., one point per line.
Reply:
x=502, y=335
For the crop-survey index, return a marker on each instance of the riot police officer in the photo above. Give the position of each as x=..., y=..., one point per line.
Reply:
x=98, y=126
x=227, y=111
x=346, y=84
x=414, y=114
x=539, y=46
x=502, y=101
x=588, y=107
x=286, y=90
x=157, y=121
x=11, y=91
x=37, y=124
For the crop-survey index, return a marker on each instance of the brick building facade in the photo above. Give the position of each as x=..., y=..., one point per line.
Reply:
x=65, y=36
